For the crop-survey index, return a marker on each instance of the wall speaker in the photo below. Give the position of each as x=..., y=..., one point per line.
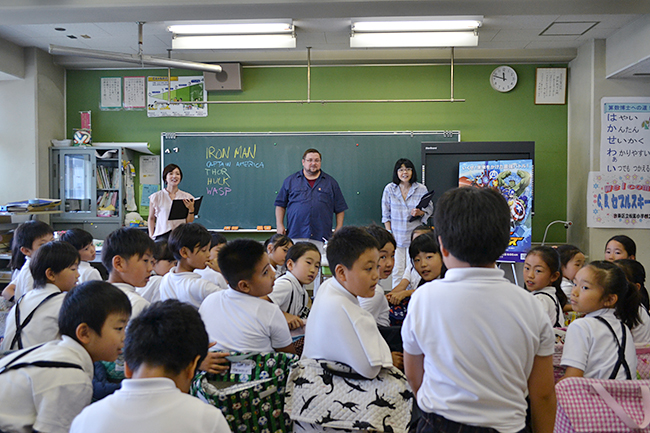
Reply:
x=228, y=79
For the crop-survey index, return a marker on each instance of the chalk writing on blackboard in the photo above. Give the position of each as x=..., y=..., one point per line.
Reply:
x=221, y=167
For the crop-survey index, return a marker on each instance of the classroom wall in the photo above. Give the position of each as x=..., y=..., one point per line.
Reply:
x=32, y=113
x=485, y=116
x=589, y=86
x=12, y=66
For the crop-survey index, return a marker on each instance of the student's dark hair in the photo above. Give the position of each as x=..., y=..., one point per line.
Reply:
x=24, y=236
x=277, y=240
x=626, y=241
x=426, y=243
x=168, y=334
x=614, y=282
x=237, y=260
x=474, y=224
x=408, y=164
x=347, y=244
x=168, y=169
x=217, y=238
x=551, y=257
x=162, y=251
x=298, y=250
x=126, y=242
x=79, y=238
x=382, y=235
x=91, y=303
x=421, y=228
x=56, y=255
x=311, y=150
x=635, y=273
x=189, y=235
x=567, y=252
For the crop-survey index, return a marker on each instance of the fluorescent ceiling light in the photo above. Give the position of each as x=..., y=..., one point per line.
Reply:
x=230, y=42
x=414, y=40
x=440, y=24
x=231, y=28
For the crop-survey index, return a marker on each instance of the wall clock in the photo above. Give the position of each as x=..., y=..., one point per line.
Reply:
x=503, y=79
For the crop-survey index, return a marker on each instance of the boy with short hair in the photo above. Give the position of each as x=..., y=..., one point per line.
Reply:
x=237, y=318
x=190, y=244
x=163, y=347
x=476, y=372
x=378, y=304
x=127, y=254
x=40, y=397
x=83, y=242
x=163, y=262
x=338, y=328
x=212, y=272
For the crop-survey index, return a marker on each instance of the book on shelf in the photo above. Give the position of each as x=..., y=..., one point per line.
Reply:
x=33, y=205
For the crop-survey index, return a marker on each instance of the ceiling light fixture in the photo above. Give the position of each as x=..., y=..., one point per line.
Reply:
x=234, y=35
x=416, y=33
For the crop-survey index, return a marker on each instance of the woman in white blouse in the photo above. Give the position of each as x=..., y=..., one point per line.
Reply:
x=160, y=204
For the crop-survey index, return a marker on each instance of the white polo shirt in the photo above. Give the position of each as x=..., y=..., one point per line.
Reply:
x=150, y=405
x=24, y=281
x=44, y=325
x=46, y=399
x=550, y=305
x=590, y=346
x=187, y=287
x=476, y=369
x=340, y=330
x=289, y=294
x=151, y=292
x=377, y=306
x=243, y=323
x=213, y=276
x=88, y=273
x=641, y=332
x=138, y=303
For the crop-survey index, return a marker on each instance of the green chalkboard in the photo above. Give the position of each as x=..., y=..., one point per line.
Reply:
x=239, y=174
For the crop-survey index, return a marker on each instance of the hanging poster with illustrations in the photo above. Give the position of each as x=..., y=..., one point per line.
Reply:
x=181, y=91
x=514, y=180
x=616, y=200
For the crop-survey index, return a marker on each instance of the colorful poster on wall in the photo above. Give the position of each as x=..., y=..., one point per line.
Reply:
x=625, y=136
x=181, y=91
x=513, y=179
x=617, y=200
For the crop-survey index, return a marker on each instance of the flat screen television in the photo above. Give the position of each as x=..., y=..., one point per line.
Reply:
x=440, y=160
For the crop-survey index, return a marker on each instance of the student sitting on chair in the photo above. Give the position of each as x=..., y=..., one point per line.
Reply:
x=44, y=387
x=162, y=349
x=237, y=318
x=190, y=244
x=339, y=329
x=83, y=242
x=35, y=317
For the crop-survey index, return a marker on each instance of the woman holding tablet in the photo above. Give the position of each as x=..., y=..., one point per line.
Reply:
x=160, y=203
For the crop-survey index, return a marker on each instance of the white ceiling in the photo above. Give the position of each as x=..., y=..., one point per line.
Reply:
x=514, y=31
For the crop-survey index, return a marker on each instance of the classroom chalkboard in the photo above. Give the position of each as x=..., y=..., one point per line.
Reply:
x=239, y=174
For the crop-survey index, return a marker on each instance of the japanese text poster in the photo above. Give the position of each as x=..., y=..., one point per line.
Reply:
x=618, y=200
x=625, y=136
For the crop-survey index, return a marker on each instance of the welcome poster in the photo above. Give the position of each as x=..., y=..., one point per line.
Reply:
x=514, y=180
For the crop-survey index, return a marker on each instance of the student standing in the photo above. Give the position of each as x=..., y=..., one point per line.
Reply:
x=399, y=212
x=160, y=203
x=475, y=374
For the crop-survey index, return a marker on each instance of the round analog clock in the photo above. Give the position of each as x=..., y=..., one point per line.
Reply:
x=503, y=79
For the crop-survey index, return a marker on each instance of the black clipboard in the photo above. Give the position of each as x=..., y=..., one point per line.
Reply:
x=180, y=212
x=424, y=202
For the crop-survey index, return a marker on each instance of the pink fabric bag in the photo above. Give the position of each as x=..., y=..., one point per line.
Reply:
x=601, y=405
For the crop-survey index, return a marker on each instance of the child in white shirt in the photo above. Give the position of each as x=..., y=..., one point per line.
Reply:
x=190, y=244
x=338, y=328
x=237, y=318
x=28, y=238
x=83, y=242
x=212, y=272
x=635, y=273
x=378, y=304
x=163, y=262
x=277, y=247
x=572, y=260
x=411, y=278
x=542, y=277
x=35, y=317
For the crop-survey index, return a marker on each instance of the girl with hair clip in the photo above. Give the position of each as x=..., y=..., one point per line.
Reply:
x=620, y=247
x=635, y=273
x=542, y=277
x=600, y=345
x=276, y=248
x=572, y=260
